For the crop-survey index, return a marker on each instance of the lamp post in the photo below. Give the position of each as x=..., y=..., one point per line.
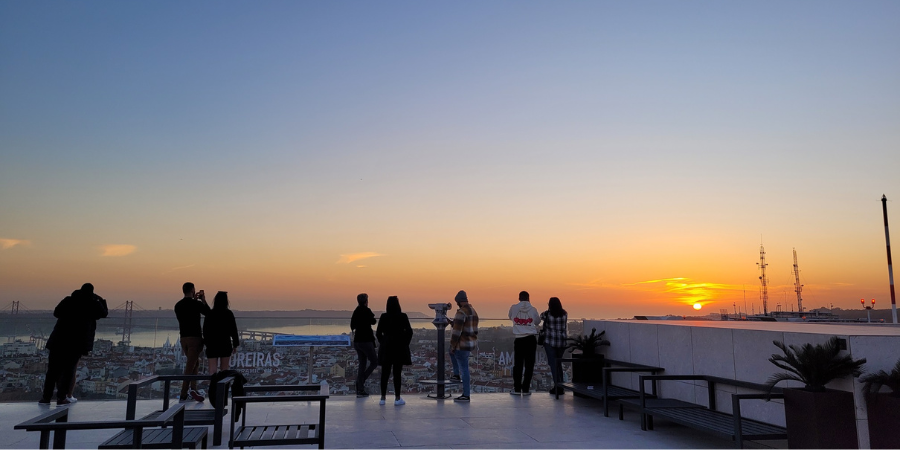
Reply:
x=869, y=309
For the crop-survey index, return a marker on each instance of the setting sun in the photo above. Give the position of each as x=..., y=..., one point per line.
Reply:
x=697, y=306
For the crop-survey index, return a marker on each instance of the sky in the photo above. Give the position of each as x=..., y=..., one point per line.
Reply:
x=626, y=157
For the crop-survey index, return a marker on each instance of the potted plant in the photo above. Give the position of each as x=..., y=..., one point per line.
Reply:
x=589, y=365
x=883, y=408
x=817, y=417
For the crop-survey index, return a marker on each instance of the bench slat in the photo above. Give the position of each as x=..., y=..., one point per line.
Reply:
x=156, y=438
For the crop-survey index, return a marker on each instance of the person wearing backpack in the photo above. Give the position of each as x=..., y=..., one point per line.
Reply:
x=525, y=320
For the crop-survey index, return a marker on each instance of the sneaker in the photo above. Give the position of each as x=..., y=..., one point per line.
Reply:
x=44, y=402
x=461, y=398
x=361, y=394
x=381, y=402
x=71, y=399
x=62, y=401
x=196, y=395
x=526, y=392
x=183, y=398
x=399, y=402
x=515, y=393
x=455, y=378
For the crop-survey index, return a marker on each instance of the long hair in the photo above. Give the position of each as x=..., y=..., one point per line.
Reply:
x=393, y=305
x=221, y=301
x=556, y=309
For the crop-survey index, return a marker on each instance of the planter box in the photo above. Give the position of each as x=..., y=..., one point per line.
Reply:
x=884, y=421
x=587, y=369
x=820, y=419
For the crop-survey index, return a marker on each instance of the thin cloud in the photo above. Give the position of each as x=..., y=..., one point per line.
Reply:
x=10, y=243
x=179, y=268
x=117, y=249
x=361, y=267
x=685, y=289
x=347, y=259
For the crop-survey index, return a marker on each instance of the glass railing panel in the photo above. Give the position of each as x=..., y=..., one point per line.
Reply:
x=154, y=349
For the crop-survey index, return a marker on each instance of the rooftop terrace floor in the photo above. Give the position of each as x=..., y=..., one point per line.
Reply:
x=489, y=421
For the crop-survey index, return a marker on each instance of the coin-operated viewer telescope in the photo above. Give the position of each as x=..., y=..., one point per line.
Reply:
x=440, y=322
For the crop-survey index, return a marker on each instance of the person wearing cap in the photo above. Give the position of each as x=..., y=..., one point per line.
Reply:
x=525, y=320
x=463, y=340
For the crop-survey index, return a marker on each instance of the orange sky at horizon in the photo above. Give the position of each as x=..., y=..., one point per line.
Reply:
x=602, y=286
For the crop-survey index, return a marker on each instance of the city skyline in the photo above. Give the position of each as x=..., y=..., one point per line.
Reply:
x=627, y=158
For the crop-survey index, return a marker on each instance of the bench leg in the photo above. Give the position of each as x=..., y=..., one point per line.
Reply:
x=203, y=443
x=621, y=412
x=649, y=422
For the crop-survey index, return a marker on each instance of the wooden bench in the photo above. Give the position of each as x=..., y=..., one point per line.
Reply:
x=609, y=392
x=206, y=416
x=707, y=418
x=291, y=434
x=142, y=433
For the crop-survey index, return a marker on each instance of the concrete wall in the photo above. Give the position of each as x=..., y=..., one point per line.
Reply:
x=741, y=351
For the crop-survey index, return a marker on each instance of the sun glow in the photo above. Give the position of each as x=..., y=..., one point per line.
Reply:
x=697, y=306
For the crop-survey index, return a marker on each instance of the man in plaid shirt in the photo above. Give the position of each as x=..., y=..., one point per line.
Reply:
x=463, y=341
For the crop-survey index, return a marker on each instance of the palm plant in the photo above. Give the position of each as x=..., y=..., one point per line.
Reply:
x=872, y=382
x=814, y=365
x=588, y=343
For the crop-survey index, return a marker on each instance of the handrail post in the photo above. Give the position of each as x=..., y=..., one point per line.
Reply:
x=738, y=430
x=132, y=401
x=137, y=437
x=322, y=423
x=59, y=436
x=166, y=393
x=178, y=430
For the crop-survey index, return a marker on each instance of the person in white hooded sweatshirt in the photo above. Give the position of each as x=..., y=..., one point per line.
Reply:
x=525, y=319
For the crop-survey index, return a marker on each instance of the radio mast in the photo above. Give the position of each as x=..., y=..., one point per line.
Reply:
x=798, y=288
x=763, y=281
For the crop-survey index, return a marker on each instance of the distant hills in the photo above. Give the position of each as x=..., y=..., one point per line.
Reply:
x=318, y=314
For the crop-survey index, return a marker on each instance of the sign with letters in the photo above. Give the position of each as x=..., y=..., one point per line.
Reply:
x=291, y=340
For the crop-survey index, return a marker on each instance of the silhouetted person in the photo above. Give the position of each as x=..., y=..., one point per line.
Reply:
x=463, y=340
x=555, y=320
x=364, y=342
x=394, y=334
x=220, y=334
x=89, y=343
x=525, y=321
x=72, y=337
x=188, y=311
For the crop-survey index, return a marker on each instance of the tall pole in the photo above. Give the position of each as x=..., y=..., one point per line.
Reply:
x=887, y=240
x=763, y=281
x=798, y=288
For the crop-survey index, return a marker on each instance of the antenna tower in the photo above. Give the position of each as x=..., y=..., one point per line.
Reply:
x=763, y=281
x=798, y=288
x=126, y=329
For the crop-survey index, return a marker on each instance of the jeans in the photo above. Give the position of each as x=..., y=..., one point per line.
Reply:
x=455, y=364
x=554, y=354
x=461, y=363
x=366, y=353
x=192, y=347
x=525, y=349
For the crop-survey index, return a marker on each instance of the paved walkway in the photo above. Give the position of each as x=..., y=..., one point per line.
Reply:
x=489, y=421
